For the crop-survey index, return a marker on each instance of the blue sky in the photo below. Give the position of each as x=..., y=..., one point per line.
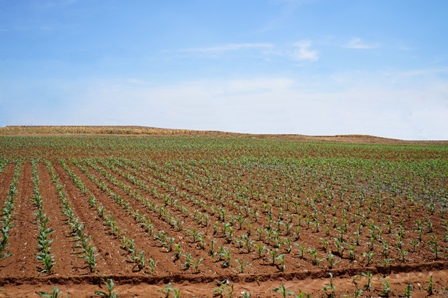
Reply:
x=259, y=66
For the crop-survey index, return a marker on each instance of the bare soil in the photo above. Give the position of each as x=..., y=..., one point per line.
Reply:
x=19, y=275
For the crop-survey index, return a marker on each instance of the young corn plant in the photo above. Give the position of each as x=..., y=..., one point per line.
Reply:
x=196, y=264
x=273, y=254
x=385, y=262
x=228, y=233
x=281, y=266
x=248, y=244
x=430, y=287
x=168, y=289
x=330, y=287
x=138, y=260
x=407, y=291
x=301, y=250
x=357, y=293
x=194, y=234
x=89, y=257
x=227, y=259
x=434, y=246
x=288, y=245
x=369, y=276
x=331, y=260
x=177, y=252
x=169, y=244
x=110, y=290
x=403, y=254
x=259, y=250
x=224, y=289
x=55, y=293
x=315, y=260
x=368, y=256
x=242, y=266
x=386, y=291
x=285, y=292
x=211, y=251
x=220, y=253
x=324, y=243
x=151, y=267
x=339, y=247
x=351, y=252
x=188, y=262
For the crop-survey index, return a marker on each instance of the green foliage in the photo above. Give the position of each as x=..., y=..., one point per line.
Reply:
x=110, y=290
x=331, y=287
x=55, y=293
x=168, y=289
x=285, y=292
x=430, y=288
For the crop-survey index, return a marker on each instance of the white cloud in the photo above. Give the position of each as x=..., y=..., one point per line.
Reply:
x=302, y=51
x=357, y=43
x=396, y=105
x=424, y=72
x=229, y=47
x=135, y=81
x=260, y=84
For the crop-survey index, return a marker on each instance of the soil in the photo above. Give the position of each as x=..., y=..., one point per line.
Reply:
x=20, y=276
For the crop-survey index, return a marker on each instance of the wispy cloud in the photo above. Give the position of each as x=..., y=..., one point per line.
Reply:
x=229, y=47
x=259, y=85
x=302, y=51
x=400, y=109
x=420, y=72
x=357, y=43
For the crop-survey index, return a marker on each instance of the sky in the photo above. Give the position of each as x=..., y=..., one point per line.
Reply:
x=322, y=67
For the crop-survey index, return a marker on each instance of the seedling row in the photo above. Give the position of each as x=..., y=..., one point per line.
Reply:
x=234, y=216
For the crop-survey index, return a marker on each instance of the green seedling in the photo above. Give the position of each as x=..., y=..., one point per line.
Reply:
x=55, y=293
x=110, y=287
x=282, y=289
x=430, y=288
x=168, y=289
x=330, y=287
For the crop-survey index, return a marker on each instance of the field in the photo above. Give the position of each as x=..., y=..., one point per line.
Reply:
x=221, y=215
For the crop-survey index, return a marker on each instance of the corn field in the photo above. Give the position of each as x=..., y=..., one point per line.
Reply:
x=223, y=212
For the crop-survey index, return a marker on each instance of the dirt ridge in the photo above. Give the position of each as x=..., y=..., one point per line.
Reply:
x=197, y=278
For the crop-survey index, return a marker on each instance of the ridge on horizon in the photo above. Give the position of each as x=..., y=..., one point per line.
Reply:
x=150, y=130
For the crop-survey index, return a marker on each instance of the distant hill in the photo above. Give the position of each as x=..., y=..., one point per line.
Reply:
x=146, y=131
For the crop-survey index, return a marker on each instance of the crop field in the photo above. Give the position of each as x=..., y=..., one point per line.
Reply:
x=221, y=216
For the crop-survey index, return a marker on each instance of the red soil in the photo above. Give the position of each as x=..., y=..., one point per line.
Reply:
x=19, y=274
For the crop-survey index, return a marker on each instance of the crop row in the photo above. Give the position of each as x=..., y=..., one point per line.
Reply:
x=44, y=239
x=77, y=228
x=226, y=289
x=135, y=256
x=175, y=148
x=7, y=212
x=375, y=231
x=344, y=246
x=340, y=217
